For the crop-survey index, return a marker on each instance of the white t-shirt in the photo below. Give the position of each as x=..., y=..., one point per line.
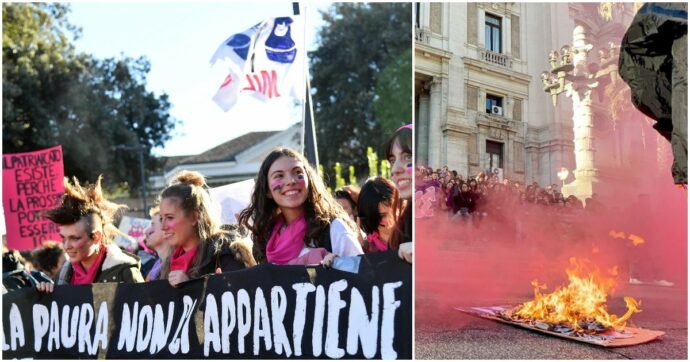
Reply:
x=343, y=241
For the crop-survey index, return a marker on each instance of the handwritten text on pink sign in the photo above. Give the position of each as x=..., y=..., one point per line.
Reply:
x=31, y=182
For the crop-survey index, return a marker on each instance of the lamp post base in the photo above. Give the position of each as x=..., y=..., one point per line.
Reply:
x=583, y=186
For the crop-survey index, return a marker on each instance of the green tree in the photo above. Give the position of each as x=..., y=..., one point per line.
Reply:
x=352, y=176
x=394, y=94
x=361, y=55
x=52, y=95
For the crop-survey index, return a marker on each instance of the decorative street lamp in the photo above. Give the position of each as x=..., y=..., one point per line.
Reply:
x=554, y=81
x=571, y=74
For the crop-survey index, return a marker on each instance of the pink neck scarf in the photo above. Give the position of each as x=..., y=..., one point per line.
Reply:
x=82, y=276
x=286, y=245
x=181, y=260
x=375, y=239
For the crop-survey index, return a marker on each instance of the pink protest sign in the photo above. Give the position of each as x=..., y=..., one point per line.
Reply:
x=31, y=182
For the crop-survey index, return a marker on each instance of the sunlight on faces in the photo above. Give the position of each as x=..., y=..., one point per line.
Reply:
x=288, y=184
x=77, y=242
x=154, y=233
x=401, y=170
x=179, y=229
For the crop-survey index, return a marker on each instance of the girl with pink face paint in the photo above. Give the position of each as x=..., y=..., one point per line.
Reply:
x=399, y=154
x=293, y=218
x=84, y=218
x=192, y=230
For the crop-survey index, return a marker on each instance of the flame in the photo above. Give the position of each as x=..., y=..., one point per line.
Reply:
x=617, y=234
x=583, y=300
x=614, y=270
x=636, y=240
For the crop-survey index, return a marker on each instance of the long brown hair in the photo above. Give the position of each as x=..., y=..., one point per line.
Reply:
x=189, y=190
x=320, y=208
x=403, y=228
x=374, y=191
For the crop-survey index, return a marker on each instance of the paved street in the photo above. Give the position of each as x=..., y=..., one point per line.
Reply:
x=443, y=333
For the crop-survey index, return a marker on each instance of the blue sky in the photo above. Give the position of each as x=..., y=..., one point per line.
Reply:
x=179, y=39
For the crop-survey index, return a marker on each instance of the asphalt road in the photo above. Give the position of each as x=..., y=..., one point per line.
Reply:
x=443, y=333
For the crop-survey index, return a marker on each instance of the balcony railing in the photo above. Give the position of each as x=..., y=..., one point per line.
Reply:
x=496, y=58
x=422, y=36
x=497, y=120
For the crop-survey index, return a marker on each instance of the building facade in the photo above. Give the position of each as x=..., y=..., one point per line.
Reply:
x=236, y=160
x=480, y=102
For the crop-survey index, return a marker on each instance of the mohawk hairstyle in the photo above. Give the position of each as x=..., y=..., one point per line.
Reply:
x=79, y=202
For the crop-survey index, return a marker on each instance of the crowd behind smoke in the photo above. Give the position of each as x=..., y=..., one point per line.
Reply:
x=488, y=237
x=487, y=192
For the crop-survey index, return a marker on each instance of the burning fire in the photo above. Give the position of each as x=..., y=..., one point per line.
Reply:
x=581, y=305
x=617, y=234
x=636, y=240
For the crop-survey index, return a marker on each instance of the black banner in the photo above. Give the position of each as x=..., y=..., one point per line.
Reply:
x=268, y=311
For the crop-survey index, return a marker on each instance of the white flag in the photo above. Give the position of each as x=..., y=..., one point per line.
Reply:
x=233, y=53
x=266, y=61
x=232, y=199
x=227, y=93
x=237, y=47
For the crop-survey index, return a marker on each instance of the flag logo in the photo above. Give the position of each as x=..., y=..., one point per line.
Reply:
x=240, y=45
x=279, y=46
x=262, y=61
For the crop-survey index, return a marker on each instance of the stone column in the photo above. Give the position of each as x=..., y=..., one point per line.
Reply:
x=508, y=107
x=508, y=157
x=582, y=129
x=481, y=100
x=435, y=133
x=580, y=91
x=481, y=18
x=422, y=130
x=506, y=45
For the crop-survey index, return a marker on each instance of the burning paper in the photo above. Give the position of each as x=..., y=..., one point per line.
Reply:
x=609, y=338
x=577, y=311
x=580, y=306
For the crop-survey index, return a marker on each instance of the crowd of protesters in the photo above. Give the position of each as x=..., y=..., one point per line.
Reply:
x=292, y=220
x=489, y=208
x=487, y=193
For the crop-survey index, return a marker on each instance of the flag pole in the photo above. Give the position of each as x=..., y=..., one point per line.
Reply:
x=308, y=129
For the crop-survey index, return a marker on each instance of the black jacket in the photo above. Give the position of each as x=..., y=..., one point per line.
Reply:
x=226, y=251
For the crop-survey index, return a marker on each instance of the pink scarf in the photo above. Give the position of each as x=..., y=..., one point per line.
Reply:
x=375, y=242
x=82, y=276
x=181, y=260
x=286, y=245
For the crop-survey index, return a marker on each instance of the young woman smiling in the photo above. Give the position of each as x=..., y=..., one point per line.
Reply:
x=85, y=221
x=293, y=218
x=189, y=226
x=399, y=154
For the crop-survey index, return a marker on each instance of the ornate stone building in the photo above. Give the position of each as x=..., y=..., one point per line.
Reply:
x=480, y=102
